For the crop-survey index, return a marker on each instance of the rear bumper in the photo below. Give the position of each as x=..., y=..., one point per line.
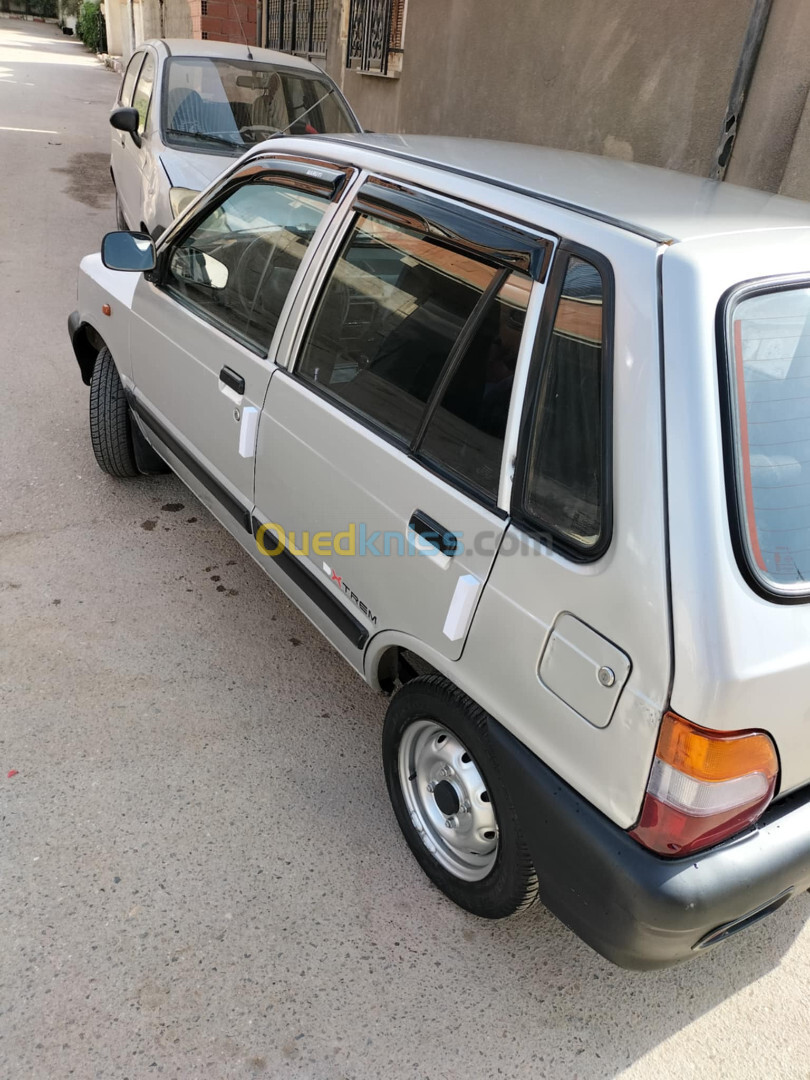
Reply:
x=637, y=909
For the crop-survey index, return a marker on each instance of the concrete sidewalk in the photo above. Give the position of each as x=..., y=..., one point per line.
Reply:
x=200, y=874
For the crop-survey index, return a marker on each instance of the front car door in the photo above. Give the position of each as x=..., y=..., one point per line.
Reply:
x=122, y=154
x=391, y=426
x=132, y=176
x=203, y=327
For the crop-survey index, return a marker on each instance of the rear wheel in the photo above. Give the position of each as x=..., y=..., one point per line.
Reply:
x=110, y=421
x=451, y=805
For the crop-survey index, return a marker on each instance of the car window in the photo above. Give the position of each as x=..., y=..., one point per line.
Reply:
x=241, y=102
x=770, y=376
x=466, y=432
x=237, y=265
x=387, y=320
x=143, y=91
x=131, y=74
x=563, y=486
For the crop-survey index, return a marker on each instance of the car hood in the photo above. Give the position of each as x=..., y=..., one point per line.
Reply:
x=195, y=171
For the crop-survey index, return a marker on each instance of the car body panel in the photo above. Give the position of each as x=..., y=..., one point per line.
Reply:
x=743, y=660
x=194, y=171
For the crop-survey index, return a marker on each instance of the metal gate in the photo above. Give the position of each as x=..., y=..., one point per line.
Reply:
x=298, y=26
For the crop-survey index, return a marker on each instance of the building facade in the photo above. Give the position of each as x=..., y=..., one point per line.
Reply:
x=645, y=80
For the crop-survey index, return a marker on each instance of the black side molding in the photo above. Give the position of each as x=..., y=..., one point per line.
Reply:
x=237, y=510
x=317, y=591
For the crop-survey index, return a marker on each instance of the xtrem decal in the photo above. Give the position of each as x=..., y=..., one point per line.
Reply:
x=339, y=583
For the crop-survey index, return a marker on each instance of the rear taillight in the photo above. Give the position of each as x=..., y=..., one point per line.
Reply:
x=704, y=786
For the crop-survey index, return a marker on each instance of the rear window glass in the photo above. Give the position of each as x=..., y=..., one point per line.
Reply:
x=769, y=341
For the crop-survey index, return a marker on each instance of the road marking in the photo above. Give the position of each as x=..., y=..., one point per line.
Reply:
x=32, y=131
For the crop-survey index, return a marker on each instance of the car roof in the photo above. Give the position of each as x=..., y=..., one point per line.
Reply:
x=657, y=203
x=229, y=50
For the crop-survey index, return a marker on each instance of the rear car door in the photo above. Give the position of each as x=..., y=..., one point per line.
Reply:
x=203, y=327
x=391, y=426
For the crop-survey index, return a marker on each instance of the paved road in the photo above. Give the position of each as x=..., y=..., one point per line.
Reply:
x=200, y=875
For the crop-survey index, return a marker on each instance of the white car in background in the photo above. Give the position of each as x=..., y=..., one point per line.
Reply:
x=186, y=108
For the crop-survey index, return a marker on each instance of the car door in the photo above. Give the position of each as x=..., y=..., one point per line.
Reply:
x=122, y=157
x=203, y=326
x=391, y=424
x=134, y=158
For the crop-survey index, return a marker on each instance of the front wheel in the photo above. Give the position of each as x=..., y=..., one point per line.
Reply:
x=110, y=421
x=450, y=802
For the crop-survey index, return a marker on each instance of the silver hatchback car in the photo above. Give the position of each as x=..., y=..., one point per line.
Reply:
x=186, y=109
x=524, y=434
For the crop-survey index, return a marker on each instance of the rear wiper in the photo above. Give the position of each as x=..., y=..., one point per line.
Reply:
x=206, y=136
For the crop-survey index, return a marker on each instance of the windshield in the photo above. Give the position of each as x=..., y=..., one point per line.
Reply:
x=228, y=105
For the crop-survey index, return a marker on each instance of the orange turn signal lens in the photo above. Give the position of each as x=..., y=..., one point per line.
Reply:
x=714, y=755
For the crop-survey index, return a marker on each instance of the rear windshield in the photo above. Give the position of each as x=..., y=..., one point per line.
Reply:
x=220, y=105
x=769, y=342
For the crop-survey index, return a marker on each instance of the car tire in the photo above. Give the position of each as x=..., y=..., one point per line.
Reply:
x=120, y=220
x=110, y=421
x=463, y=829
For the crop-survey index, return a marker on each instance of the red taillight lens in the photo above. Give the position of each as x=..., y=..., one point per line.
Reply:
x=704, y=786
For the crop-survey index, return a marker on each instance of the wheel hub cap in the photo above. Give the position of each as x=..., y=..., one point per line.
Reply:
x=448, y=800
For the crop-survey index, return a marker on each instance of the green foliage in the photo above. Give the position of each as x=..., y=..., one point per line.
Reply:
x=88, y=27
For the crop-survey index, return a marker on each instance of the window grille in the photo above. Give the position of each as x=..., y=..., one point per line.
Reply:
x=375, y=33
x=298, y=26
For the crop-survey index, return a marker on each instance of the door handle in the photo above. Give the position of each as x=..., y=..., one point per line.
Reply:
x=233, y=379
x=433, y=533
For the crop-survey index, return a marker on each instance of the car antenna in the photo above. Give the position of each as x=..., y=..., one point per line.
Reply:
x=244, y=35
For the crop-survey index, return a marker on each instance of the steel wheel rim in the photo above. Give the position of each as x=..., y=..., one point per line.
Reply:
x=447, y=800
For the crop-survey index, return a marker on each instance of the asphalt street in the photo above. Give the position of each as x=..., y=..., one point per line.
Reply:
x=200, y=873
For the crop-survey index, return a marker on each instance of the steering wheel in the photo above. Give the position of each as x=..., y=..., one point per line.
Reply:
x=265, y=129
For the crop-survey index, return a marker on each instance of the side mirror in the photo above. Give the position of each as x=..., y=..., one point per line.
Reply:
x=125, y=119
x=128, y=251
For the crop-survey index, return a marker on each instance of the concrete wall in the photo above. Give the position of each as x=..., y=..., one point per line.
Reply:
x=129, y=22
x=641, y=79
x=772, y=149
x=177, y=19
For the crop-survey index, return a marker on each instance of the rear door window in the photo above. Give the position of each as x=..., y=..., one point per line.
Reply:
x=465, y=434
x=768, y=336
x=389, y=317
